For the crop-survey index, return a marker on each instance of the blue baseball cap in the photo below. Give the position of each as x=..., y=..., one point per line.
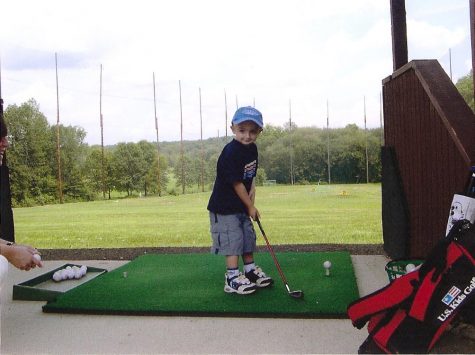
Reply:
x=247, y=113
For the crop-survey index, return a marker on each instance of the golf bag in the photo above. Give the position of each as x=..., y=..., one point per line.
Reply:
x=411, y=313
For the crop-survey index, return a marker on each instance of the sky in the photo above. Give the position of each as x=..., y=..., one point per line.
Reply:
x=292, y=59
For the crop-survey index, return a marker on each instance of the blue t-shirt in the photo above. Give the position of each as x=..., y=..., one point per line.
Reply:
x=237, y=163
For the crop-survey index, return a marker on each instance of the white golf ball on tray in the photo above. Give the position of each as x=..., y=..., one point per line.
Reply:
x=57, y=276
x=77, y=273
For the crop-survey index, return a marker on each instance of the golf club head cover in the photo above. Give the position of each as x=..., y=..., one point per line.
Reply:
x=411, y=313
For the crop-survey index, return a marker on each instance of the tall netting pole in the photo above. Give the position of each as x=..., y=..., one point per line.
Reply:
x=158, y=145
x=102, y=139
x=225, y=116
x=366, y=140
x=58, y=149
x=202, y=147
x=181, y=144
x=328, y=147
x=291, y=145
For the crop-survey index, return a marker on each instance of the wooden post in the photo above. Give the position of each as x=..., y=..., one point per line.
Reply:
x=399, y=33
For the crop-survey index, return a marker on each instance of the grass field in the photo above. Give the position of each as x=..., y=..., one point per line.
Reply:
x=340, y=214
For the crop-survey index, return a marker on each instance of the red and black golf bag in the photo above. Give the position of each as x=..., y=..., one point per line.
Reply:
x=411, y=313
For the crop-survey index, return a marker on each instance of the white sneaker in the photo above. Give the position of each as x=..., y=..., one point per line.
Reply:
x=258, y=277
x=239, y=284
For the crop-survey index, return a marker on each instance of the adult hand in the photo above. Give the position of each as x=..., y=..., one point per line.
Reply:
x=22, y=256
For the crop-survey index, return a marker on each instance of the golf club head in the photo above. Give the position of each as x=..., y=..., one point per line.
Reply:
x=296, y=294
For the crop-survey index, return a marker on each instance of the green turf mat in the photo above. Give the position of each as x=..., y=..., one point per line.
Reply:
x=192, y=284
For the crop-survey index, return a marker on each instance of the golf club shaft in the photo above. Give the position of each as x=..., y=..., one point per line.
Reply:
x=271, y=250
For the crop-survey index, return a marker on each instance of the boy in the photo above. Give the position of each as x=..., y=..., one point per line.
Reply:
x=231, y=205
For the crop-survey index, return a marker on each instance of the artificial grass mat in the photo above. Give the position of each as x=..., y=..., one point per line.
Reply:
x=192, y=285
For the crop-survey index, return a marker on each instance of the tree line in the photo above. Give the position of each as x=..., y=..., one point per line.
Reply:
x=298, y=155
x=287, y=154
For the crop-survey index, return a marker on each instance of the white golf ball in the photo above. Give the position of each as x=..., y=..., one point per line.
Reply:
x=410, y=268
x=37, y=257
x=327, y=264
x=83, y=269
x=77, y=274
x=64, y=274
x=57, y=276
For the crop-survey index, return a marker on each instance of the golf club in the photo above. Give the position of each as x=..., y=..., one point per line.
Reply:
x=294, y=294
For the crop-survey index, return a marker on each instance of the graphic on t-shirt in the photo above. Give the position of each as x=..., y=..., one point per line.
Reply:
x=250, y=170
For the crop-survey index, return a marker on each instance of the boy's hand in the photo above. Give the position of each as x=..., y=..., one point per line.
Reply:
x=253, y=213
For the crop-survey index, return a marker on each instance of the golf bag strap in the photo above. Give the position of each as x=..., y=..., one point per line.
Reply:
x=467, y=253
x=361, y=310
x=374, y=321
x=400, y=333
x=428, y=285
x=383, y=334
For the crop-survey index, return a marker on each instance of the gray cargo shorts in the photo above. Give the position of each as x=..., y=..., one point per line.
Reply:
x=232, y=234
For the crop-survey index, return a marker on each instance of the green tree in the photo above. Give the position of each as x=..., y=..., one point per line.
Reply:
x=261, y=177
x=150, y=178
x=95, y=173
x=128, y=168
x=274, y=159
x=30, y=155
x=73, y=158
x=309, y=155
x=348, y=155
x=465, y=87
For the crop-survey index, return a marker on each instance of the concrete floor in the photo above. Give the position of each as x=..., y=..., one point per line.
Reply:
x=25, y=329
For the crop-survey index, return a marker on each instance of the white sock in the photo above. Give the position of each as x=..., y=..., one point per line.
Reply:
x=230, y=273
x=249, y=267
